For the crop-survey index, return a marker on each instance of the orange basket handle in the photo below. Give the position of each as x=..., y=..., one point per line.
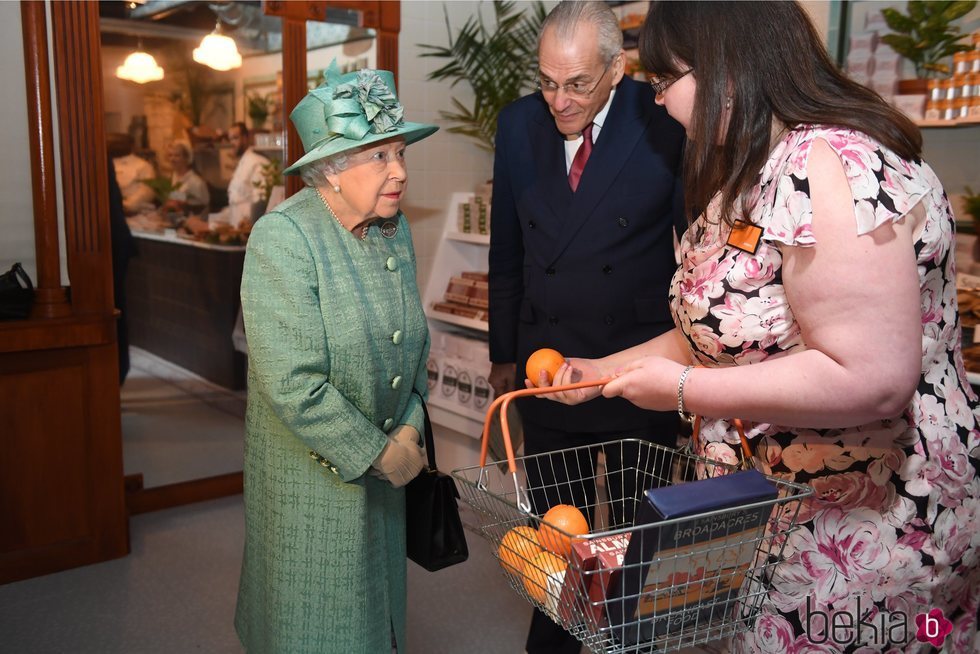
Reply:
x=503, y=402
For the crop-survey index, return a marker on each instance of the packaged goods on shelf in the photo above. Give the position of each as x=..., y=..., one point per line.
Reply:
x=469, y=289
x=462, y=310
x=463, y=365
x=474, y=215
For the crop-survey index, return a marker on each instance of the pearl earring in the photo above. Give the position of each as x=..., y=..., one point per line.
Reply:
x=336, y=188
x=728, y=103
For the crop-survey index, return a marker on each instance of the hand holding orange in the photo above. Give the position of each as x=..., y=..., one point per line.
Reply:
x=543, y=359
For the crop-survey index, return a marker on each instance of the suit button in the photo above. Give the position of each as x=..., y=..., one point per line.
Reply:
x=391, y=264
x=609, y=320
x=623, y=222
x=552, y=320
x=531, y=224
x=388, y=423
x=549, y=271
x=607, y=269
x=396, y=382
x=396, y=338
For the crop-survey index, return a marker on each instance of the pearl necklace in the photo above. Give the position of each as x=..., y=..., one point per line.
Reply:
x=364, y=229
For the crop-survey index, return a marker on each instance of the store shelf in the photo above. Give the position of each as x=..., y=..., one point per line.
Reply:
x=463, y=237
x=461, y=321
x=454, y=417
x=973, y=121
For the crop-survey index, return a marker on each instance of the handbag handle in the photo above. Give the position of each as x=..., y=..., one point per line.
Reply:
x=430, y=443
x=22, y=274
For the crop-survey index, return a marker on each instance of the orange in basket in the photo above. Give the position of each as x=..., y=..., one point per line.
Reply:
x=543, y=359
x=517, y=547
x=537, y=571
x=567, y=518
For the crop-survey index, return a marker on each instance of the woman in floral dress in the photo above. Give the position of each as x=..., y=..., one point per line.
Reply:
x=827, y=320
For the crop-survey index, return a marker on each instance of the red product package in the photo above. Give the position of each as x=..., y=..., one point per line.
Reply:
x=574, y=604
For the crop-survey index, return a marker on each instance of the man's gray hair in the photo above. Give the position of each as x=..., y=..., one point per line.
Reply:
x=565, y=17
x=315, y=173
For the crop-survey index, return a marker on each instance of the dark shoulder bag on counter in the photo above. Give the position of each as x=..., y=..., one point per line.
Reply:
x=16, y=294
x=433, y=530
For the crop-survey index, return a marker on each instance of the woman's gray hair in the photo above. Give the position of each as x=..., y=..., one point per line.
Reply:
x=185, y=150
x=315, y=173
x=565, y=17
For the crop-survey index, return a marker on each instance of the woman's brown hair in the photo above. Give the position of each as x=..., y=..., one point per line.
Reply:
x=768, y=60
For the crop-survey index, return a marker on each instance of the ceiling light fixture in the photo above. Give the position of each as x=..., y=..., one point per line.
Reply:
x=218, y=51
x=140, y=67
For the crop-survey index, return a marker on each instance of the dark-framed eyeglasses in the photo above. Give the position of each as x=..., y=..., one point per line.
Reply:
x=661, y=86
x=579, y=90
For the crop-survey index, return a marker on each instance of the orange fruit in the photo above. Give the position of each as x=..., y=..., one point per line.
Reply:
x=543, y=359
x=517, y=547
x=537, y=571
x=566, y=518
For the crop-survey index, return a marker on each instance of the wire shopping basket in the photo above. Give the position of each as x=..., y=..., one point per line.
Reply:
x=627, y=586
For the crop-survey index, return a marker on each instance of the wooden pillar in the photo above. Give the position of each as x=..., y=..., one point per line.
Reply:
x=50, y=299
x=78, y=83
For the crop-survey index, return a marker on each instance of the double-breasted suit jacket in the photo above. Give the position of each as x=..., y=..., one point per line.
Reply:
x=585, y=273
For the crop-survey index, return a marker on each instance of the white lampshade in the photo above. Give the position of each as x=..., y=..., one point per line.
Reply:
x=218, y=51
x=140, y=67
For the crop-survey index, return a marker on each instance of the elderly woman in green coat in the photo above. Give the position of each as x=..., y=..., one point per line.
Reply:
x=337, y=349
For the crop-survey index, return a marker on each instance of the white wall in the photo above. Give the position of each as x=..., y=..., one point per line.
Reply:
x=16, y=203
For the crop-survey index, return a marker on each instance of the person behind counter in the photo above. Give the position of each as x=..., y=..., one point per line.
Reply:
x=190, y=191
x=337, y=345
x=131, y=171
x=244, y=194
x=830, y=322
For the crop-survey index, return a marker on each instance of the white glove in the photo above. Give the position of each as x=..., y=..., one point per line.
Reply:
x=399, y=462
x=407, y=434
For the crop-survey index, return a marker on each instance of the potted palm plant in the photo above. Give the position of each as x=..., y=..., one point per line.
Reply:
x=499, y=63
x=926, y=36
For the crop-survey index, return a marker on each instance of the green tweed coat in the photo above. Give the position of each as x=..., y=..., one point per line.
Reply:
x=337, y=340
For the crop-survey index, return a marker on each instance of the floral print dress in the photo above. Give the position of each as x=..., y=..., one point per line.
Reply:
x=893, y=528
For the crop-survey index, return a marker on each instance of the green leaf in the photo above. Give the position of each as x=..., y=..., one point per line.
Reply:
x=498, y=63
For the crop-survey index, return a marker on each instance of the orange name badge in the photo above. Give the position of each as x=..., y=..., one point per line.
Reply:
x=745, y=237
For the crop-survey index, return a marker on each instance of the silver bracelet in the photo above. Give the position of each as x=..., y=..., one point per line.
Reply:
x=685, y=416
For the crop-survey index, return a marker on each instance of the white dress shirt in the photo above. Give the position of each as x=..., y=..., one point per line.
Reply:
x=242, y=189
x=571, y=147
x=130, y=171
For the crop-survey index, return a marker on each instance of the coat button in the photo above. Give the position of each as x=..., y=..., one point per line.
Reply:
x=609, y=320
x=607, y=269
x=396, y=382
x=396, y=338
x=549, y=271
x=623, y=222
x=388, y=423
x=552, y=320
x=531, y=224
x=391, y=264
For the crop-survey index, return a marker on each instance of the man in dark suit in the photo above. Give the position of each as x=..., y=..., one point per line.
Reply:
x=583, y=271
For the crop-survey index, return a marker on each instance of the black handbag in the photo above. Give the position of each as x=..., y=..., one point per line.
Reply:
x=433, y=530
x=16, y=294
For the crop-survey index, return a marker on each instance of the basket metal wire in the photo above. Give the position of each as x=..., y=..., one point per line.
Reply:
x=715, y=588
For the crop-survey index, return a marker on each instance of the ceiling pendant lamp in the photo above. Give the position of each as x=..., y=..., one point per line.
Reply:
x=140, y=67
x=218, y=51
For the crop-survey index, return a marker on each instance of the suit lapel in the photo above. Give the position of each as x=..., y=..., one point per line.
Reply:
x=626, y=124
x=549, y=148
